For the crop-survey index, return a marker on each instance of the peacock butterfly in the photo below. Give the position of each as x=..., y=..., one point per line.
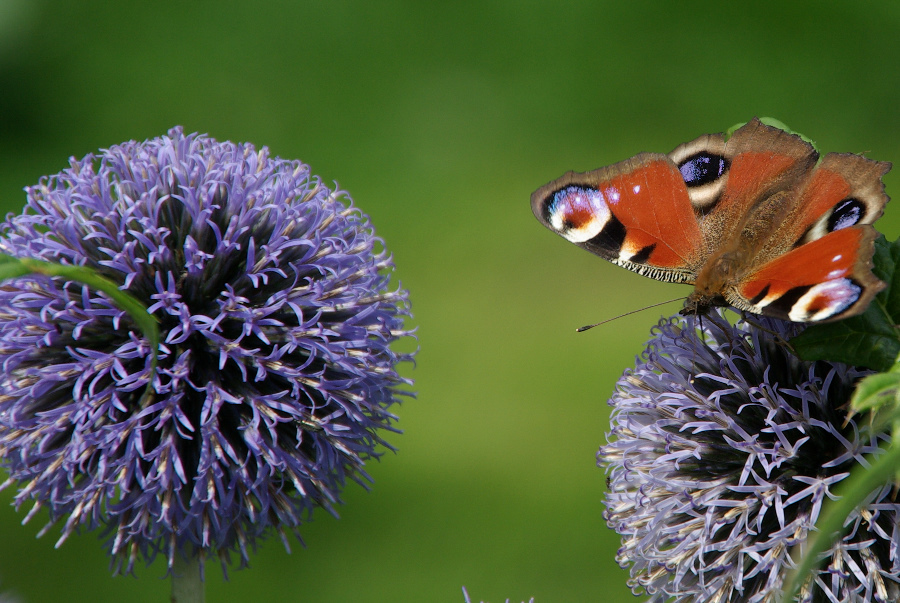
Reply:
x=753, y=221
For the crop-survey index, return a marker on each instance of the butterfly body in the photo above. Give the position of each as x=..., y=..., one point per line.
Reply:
x=755, y=222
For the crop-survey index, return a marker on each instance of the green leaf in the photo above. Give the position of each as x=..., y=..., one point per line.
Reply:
x=879, y=395
x=875, y=390
x=870, y=339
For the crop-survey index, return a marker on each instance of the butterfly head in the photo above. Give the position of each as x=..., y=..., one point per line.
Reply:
x=698, y=303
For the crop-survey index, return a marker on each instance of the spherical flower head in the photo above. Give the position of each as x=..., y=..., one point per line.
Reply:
x=724, y=447
x=275, y=369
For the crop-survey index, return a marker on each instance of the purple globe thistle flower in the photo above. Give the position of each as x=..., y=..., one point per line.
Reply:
x=724, y=446
x=275, y=370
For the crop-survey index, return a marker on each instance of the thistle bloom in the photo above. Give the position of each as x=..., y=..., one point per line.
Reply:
x=275, y=371
x=724, y=446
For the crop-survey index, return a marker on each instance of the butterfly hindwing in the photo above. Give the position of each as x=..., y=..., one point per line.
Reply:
x=826, y=279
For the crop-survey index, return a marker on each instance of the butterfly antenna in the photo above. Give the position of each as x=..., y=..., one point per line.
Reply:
x=603, y=322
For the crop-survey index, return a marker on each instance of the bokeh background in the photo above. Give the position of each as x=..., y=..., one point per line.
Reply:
x=440, y=119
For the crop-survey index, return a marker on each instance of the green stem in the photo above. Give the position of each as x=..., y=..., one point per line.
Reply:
x=187, y=584
x=11, y=267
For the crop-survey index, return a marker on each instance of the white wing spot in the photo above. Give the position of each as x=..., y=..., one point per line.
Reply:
x=578, y=214
x=825, y=300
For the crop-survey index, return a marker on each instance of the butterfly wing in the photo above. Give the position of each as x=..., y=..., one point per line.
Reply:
x=762, y=168
x=636, y=213
x=829, y=278
x=818, y=264
x=844, y=190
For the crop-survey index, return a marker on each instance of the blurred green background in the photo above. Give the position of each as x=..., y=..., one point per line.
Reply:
x=440, y=119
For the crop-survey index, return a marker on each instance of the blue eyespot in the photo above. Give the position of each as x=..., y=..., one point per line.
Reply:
x=848, y=212
x=702, y=168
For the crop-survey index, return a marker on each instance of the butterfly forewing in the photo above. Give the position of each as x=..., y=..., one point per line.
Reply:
x=767, y=165
x=844, y=190
x=624, y=213
x=704, y=166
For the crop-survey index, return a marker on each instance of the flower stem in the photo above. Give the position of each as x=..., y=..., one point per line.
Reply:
x=187, y=583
